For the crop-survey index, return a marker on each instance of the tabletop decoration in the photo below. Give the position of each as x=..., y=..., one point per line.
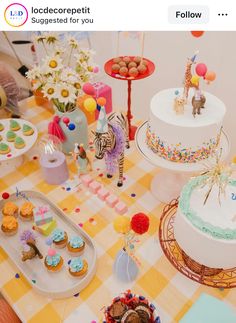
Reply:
x=60, y=76
x=30, y=250
x=126, y=263
x=80, y=156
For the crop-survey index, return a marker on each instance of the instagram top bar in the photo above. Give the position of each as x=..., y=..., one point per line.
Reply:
x=121, y=15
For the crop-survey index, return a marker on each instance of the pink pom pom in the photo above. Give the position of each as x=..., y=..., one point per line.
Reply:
x=88, y=89
x=66, y=120
x=51, y=252
x=96, y=69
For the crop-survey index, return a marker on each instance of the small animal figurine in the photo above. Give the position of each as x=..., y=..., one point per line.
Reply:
x=111, y=138
x=29, y=246
x=198, y=102
x=80, y=156
x=179, y=104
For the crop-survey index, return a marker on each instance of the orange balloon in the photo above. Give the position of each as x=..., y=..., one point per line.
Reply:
x=197, y=33
x=101, y=101
x=210, y=76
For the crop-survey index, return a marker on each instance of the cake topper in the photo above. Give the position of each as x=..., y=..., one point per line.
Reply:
x=80, y=156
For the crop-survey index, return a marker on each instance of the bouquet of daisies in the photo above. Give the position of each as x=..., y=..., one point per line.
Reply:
x=62, y=73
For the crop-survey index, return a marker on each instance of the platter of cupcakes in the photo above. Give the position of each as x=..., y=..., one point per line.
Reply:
x=55, y=255
x=129, y=67
x=131, y=308
x=17, y=136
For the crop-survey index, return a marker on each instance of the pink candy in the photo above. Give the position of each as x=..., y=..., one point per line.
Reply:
x=51, y=252
x=86, y=180
x=94, y=187
x=103, y=193
x=111, y=200
x=121, y=208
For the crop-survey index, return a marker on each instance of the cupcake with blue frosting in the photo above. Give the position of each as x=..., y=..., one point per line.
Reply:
x=59, y=238
x=75, y=245
x=78, y=267
x=53, y=261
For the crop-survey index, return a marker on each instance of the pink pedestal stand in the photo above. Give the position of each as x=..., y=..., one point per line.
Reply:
x=150, y=70
x=168, y=183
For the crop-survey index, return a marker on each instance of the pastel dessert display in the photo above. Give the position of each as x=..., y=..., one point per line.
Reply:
x=14, y=125
x=27, y=130
x=59, y=238
x=75, y=245
x=206, y=215
x=19, y=143
x=10, y=209
x=4, y=148
x=1, y=127
x=94, y=187
x=9, y=225
x=131, y=308
x=11, y=136
x=78, y=267
x=42, y=215
x=45, y=229
x=53, y=261
x=27, y=211
x=30, y=250
x=129, y=66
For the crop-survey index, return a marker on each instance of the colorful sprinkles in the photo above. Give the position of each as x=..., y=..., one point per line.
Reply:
x=174, y=153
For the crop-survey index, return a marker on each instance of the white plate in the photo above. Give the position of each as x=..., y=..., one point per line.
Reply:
x=55, y=285
x=29, y=140
x=148, y=154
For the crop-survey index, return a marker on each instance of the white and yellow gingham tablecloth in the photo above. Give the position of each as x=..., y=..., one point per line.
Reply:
x=171, y=292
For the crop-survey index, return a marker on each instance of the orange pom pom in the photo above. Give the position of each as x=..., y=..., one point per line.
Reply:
x=197, y=33
x=101, y=101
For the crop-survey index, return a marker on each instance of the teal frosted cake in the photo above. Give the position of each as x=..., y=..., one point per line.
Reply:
x=207, y=232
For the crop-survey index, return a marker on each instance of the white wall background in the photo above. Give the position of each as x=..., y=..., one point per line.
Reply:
x=169, y=51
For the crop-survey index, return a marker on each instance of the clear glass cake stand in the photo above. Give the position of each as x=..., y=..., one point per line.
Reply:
x=169, y=181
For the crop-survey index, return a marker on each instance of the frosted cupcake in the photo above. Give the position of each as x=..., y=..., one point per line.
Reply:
x=26, y=211
x=53, y=261
x=78, y=267
x=27, y=130
x=75, y=245
x=10, y=209
x=4, y=148
x=19, y=143
x=14, y=125
x=9, y=225
x=11, y=136
x=59, y=238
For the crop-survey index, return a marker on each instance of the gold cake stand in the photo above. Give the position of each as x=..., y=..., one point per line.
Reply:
x=212, y=277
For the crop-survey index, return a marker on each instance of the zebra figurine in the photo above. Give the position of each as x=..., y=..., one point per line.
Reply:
x=111, y=138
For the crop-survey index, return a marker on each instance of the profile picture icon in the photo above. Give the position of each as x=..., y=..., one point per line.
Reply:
x=16, y=15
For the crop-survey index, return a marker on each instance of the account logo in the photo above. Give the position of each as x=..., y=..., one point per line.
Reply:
x=16, y=15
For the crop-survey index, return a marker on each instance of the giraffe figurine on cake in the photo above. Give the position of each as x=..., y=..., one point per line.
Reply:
x=188, y=76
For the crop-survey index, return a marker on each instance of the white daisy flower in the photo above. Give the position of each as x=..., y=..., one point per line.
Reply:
x=49, y=90
x=34, y=73
x=51, y=37
x=65, y=93
x=52, y=64
x=68, y=75
x=72, y=41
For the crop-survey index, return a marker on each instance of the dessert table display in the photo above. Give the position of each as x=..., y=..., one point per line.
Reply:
x=160, y=282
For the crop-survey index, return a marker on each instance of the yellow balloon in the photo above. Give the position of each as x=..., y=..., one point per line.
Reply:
x=195, y=79
x=90, y=105
x=121, y=224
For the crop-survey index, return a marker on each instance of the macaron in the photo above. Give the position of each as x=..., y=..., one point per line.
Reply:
x=11, y=136
x=4, y=148
x=14, y=125
x=27, y=130
x=19, y=143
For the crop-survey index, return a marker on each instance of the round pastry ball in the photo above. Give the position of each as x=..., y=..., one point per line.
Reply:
x=116, y=60
x=142, y=69
x=144, y=62
x=132, y=64
x=127, y=59
x=133, y=72
x=137, y=59
x=115, y=68
x=123, y=71
x=122, y=64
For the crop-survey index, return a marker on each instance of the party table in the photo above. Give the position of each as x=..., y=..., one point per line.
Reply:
x=172, y=293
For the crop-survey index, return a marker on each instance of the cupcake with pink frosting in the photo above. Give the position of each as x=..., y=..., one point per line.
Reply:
x=53, y=261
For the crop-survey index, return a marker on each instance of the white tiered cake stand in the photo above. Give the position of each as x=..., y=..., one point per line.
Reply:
x=168, y=183
x=14, y=159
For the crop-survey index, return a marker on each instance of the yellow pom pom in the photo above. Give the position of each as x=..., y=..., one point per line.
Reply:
x=122, y=224
x=234, y=160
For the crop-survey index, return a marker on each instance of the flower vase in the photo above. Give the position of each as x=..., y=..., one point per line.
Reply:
x=75, y=131
x=125, y=268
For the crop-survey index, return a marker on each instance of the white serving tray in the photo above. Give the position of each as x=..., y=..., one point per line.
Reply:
x=29, y=140
x=53, y=285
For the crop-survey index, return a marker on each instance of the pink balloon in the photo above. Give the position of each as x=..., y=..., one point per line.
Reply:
x=51, y=252
x=96, y=69
x=88, y=89
x=66, y=120
x=201, y=69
